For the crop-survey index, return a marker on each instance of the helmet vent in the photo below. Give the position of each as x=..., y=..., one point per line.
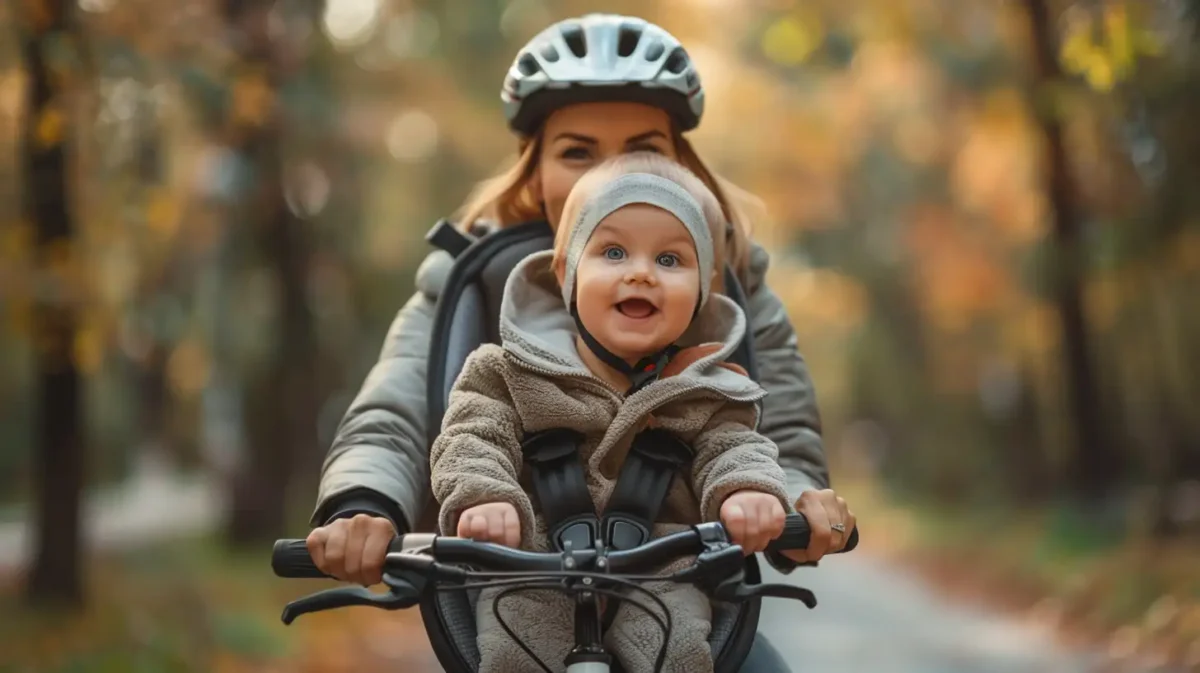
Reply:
x=528, y=65
x=573, y=36
x=627, y=40
x=549, y=53
x=677, y=62
x=654, y=51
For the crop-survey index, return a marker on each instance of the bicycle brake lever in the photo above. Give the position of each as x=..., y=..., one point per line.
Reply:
x=350, y=596
x=718, y=563
x=734, y=591
x=406, y=583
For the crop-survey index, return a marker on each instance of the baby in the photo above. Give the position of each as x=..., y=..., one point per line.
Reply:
x=614, y=331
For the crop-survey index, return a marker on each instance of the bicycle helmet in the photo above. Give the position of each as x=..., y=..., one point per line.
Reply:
x=601, y=57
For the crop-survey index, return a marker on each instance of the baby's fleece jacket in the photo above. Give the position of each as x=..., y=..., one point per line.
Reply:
x=536, y=381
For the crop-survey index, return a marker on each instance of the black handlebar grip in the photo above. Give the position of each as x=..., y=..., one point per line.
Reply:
x=796, y=534
x=852, y=542
x=290, y=558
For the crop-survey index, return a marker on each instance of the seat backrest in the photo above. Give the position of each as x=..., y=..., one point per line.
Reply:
x=468, y=308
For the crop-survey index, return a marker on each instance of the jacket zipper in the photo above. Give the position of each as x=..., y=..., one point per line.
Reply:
x=596, y=381
x=590, y=379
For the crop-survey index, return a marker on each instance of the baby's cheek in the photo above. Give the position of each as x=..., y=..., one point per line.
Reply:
x=679, y=309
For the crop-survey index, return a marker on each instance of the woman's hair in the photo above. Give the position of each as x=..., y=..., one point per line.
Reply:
x=653, y=164
x=507, y=200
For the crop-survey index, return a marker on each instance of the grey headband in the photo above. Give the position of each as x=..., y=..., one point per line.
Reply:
x=640, y=188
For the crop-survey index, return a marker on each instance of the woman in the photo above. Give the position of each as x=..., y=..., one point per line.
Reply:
x=618, y=84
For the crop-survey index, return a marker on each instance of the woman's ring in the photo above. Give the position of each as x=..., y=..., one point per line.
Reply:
x=839, y=527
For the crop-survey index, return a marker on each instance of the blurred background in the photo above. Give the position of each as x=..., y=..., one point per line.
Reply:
x=984, y=218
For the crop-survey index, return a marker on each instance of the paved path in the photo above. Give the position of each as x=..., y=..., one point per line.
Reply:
x=871, y=618
x=153, y=505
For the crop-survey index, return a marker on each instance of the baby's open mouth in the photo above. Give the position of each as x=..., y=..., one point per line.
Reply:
x=636, y=308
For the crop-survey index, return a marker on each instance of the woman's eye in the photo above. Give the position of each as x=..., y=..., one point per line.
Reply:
x=614, y=253
x=668, y=260
x=576, y=153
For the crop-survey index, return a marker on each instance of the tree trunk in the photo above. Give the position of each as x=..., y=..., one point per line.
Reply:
x=1097, y=463
x=56, y=576
x=1029, y=479
x=281, y=407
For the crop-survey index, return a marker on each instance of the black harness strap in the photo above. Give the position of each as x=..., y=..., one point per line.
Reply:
x=654, y=459
x=561, y=487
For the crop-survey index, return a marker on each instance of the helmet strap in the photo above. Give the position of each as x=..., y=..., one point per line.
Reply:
x=641, y=373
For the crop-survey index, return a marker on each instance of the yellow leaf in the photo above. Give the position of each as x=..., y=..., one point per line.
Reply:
x=1100, y=73
x=1076, y=49
x=162, y=212
x=252, y=99
x=1148, y=42
x=89, y=350
x=790, y=40
x=1120, y=39
x=50, y=126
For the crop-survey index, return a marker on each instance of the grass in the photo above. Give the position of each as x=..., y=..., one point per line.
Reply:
x=1134, y=597
x=191, y=606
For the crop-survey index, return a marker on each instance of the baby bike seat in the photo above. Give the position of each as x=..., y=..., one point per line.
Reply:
x=468, y=316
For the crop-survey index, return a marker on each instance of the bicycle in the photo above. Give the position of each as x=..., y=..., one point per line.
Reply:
x=419, y=564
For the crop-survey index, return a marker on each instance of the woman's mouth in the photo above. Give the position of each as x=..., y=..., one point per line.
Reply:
x=637, y=309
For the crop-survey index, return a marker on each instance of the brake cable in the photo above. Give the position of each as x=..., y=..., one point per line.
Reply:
x=517, y=581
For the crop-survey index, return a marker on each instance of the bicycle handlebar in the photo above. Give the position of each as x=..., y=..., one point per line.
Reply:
x=290, y=558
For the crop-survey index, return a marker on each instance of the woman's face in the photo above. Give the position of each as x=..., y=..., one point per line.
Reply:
x=579, y=136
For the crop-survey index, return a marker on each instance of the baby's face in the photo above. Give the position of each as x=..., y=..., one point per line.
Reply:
x=638, y=281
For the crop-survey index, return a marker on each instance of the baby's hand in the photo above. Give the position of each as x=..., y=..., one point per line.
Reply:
x=491, y=522
x=753, y=519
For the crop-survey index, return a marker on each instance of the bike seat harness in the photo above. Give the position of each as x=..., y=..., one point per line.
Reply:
x=562, y=495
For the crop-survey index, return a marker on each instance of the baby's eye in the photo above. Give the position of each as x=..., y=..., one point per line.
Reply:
x=614, y=253
x=668, y=259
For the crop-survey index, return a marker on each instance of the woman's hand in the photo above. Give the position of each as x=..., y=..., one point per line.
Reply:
x=353, y=549
x=753, y=519
x=823, y=509
x=491, y=522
